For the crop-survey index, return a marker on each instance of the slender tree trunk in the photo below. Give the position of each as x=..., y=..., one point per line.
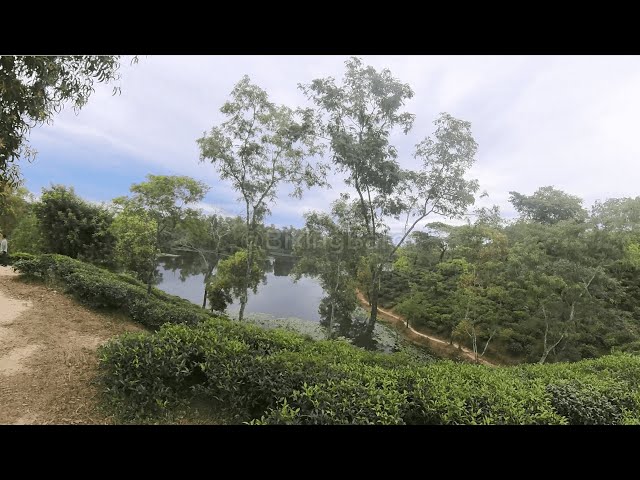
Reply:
x=150, y=278
x=572, y=314
x=330, y=333
x=375, y=290
x=545, y=350
x=487, y=344
x=243, y=303
x=204, y=298
x=245, y=294
x=207, y=277
x=474, y=341
x=333, y=302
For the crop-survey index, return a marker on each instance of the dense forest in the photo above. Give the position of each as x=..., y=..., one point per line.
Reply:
x=558, y=283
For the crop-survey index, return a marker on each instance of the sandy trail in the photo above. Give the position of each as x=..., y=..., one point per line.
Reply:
x=47, y=354
x=395, y=318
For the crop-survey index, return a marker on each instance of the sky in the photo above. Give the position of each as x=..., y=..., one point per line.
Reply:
x=566, y=121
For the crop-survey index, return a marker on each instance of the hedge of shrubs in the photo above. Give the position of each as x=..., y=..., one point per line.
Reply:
x=102, y=289
x=274, y=377
x=278, y=377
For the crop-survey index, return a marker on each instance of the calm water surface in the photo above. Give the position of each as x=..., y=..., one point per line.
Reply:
x=280, y=296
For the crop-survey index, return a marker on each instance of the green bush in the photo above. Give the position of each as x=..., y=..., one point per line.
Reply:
x=14, y=257
x=70, y=226
x=102, y=289
x=584, y=404
x=268, y=377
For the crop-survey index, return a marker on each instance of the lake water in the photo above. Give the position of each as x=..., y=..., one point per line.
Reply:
x=280, y=296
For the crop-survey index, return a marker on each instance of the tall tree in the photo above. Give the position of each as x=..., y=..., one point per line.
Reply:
x=359, y=118
x=258, y=148
x=34, y=88
x=329, y=249
x=230, y=280
x=165, y=200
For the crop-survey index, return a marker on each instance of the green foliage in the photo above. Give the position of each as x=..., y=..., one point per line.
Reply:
x=148, y=221
x=277, y=377
x=73, y=227
x=548, y=205
x=275, y=144
x=102, y=289
x=14, y=257
x=620, y=215
x=34, y=88
x=230, y=279
x=632, y=254
x=559, y=287
x=165, y=198
x=14, y=205
x=27, y=235
x=136, y=247
x=584, y=404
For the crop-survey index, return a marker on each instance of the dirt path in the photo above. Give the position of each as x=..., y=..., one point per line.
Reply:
x=48, y=356
x=445, y=347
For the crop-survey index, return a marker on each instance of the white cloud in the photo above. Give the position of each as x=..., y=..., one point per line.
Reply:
x=563, y=121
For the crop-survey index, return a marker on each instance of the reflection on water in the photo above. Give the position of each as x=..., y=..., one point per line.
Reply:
x=279, y=296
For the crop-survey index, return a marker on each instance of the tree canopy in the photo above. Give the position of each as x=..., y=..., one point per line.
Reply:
x=548, y=205
x=35, y=88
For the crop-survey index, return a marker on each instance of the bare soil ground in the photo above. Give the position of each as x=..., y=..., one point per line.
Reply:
x=48, y=361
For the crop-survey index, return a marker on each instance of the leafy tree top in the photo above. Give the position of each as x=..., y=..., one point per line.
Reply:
x=548, y=205
x=260, y=145
x=34, y=88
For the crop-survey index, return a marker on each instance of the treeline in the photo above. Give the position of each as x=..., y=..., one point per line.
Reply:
x=133, y=233
x=558, y=283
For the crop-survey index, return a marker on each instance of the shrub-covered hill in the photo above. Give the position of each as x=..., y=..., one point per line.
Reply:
x=274, y=376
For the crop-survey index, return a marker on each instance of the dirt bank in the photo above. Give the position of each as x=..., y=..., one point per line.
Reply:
x=48, y=356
